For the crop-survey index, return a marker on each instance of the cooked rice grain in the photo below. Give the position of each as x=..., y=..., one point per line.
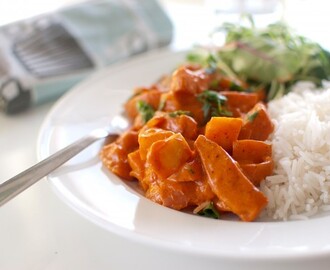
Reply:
x=300, y=185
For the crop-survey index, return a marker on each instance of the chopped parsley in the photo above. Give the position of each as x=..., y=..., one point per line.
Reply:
x=235, y=87
x=214, y=84
x=252, y=116
x=209, y=211
x=146, y=110
x=161, y=104
x=212, y=64
x=178, y=113
x=213, y=104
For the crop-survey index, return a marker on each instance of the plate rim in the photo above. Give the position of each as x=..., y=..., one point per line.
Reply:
x=144, y=239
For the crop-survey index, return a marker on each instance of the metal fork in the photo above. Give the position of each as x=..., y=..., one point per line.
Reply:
x=14, y=186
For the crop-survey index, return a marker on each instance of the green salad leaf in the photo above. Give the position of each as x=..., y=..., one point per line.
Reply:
x=274, y=57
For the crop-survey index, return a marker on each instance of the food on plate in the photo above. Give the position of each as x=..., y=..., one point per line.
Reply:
x=188, y=144
x=300, y=185
x=228, y=181
x=275, y=58
x=231, y=130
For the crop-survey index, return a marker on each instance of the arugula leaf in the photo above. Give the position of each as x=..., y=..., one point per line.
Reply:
x=213, y=104
x=146, y=110
x=209, y=211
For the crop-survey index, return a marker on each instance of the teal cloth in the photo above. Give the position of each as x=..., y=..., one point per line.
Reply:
x=45, y=56
x=110, y=29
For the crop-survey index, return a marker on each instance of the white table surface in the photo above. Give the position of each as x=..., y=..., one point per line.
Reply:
x=38, y=230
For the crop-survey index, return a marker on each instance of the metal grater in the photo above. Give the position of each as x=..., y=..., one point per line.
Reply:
x=50, y=50
x=43, y=57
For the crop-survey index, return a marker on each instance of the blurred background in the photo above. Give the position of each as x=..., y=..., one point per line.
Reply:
x=309, y=17
x=134, y=27
x=117, y=31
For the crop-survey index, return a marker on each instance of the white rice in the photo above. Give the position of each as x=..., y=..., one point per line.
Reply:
x=300, y=185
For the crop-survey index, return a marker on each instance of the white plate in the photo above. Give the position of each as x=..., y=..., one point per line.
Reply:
x=116, y=206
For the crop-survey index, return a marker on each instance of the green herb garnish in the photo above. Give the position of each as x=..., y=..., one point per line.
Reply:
x=178, y=113
x=146, y=110
x=211, y=64
x=161, y=104
x=235, y=87
x=209, y=211
x=214, y=84
x=252, y=116
x=213, y=104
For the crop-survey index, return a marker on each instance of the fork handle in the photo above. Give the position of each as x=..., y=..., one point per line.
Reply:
x=15, y=185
